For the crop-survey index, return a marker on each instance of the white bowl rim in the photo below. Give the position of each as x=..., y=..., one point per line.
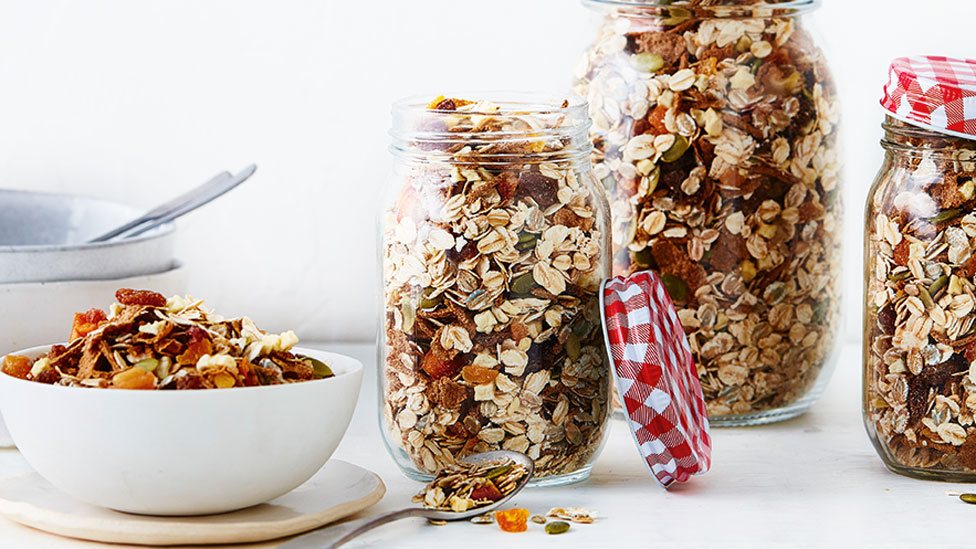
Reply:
x=356, y=366
x=157, y=232
x=176, y=266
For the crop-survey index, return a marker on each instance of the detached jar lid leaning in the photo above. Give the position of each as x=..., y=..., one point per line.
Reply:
x=920, y=290
x=495, y=241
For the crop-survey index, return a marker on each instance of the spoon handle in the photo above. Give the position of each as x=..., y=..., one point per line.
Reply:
x=373, y=523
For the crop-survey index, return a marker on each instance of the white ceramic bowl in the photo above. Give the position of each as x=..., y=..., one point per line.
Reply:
x=43, y=238
x=181, y=452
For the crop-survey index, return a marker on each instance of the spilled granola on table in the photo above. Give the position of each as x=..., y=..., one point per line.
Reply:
x=147, y=341
x=717, y=142
x=465, y=486
x=920, y=291
x=492, y=261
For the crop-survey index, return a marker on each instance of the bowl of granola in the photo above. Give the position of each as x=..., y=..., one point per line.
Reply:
x=160, y=406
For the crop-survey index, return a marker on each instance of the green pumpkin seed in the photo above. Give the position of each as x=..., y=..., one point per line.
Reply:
x=676, y=16
x=572, y=346
x=498, y=471
x=968, y=498
x=526, y=241
x=427, y=302
x=643, y=258
x=557, y=527
x=677, y=150
x=523, y=284
x=938, y=284
x=647, y=62
x=923, y=294
x=945, y=215
x=319, y=368
x=676, y=287
x=895, y=277
x=148, y=364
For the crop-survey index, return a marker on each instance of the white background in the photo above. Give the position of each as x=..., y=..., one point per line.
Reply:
x=138, y=100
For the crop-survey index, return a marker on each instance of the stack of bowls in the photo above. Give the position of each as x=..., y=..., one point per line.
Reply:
x=48, y=271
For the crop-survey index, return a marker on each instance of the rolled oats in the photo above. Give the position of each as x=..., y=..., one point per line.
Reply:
x=716, y=140
x=492, y=260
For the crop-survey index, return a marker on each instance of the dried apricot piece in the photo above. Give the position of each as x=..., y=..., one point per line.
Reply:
x=478, y=375
x=513, y=520
x=486, y=491
x=438, y=365
x=128, y=296
x=194, y=351
x=85, y=323
x=16, y=366
x=134, y=378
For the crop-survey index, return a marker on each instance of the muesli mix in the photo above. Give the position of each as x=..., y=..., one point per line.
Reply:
x=920, y=326
x=465, y=486
x=147, y=341
x=717, y=142
x=492, y=261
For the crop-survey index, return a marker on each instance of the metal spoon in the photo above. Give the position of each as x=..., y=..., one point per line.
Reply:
x=325, y=535
x=183, y=204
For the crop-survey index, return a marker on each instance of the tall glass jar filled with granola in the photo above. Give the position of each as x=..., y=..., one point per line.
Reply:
x=494, y=240
x=715, y=136
x=920, y=289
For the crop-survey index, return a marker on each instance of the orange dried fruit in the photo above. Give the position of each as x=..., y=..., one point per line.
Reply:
x=134, y=378
x=223, y=380
x=16, y=366
x=486, y=491
x=194, y=351
x=85, y=323
x=513, y=520
x=437, y=365
x=478, y=375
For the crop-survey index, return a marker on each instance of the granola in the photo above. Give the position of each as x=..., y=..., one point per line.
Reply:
x=465, y=486
x=716, y=140
x=920, y=330
x=147, y=341
x=492, y=260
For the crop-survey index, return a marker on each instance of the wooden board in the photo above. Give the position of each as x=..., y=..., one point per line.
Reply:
x=338, y=490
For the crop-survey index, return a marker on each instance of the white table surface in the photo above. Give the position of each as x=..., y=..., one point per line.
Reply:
x=812, y=481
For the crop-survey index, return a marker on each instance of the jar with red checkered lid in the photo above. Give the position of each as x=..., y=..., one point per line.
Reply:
x=715, y=134
x=920, y=289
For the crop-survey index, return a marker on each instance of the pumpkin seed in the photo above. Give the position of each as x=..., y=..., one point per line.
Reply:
x=945, y=215
x=572, y=346
x=676, y=287
x=523, y=284
x=677, y=150
x=498, y=471
x=968, y=498
x=923, y=294
x=647, y=62
x=938, y=284
x=427, y=302
x=148, y=364
x=319, y=368
x=558, y=527
x=902, y=275
x=526, y=241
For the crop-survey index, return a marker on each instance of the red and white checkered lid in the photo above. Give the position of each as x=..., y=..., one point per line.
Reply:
x=656, y=377
x=936, y=93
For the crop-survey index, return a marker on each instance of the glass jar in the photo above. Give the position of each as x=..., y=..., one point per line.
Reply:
x=715, y=135
x=495, y=239
x=919, y=336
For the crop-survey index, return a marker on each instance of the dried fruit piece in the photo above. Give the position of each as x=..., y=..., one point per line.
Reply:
x=134, y=378
x=85, y=323
x=16, y=366
x=145, y=298
x=478, y=375
x=437, y=365
x=513, y=520
x=557, y=527
x=486, y=492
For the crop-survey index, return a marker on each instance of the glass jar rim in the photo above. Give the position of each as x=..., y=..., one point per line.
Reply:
x=654, y=8
x=419, y=130
x=898, y=131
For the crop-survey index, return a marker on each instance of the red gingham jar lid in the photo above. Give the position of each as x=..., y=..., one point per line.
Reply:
x=936, y=93
x=656, y=377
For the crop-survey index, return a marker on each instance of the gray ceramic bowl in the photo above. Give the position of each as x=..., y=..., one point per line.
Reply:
x=43, y=239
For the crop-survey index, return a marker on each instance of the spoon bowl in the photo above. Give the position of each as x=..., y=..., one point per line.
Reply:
x=517, y=457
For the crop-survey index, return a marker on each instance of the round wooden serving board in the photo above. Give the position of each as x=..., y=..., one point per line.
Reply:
x=338, y=490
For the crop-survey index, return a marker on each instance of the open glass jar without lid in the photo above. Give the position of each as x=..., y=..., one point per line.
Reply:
x=495, y=240
x=715, y=135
